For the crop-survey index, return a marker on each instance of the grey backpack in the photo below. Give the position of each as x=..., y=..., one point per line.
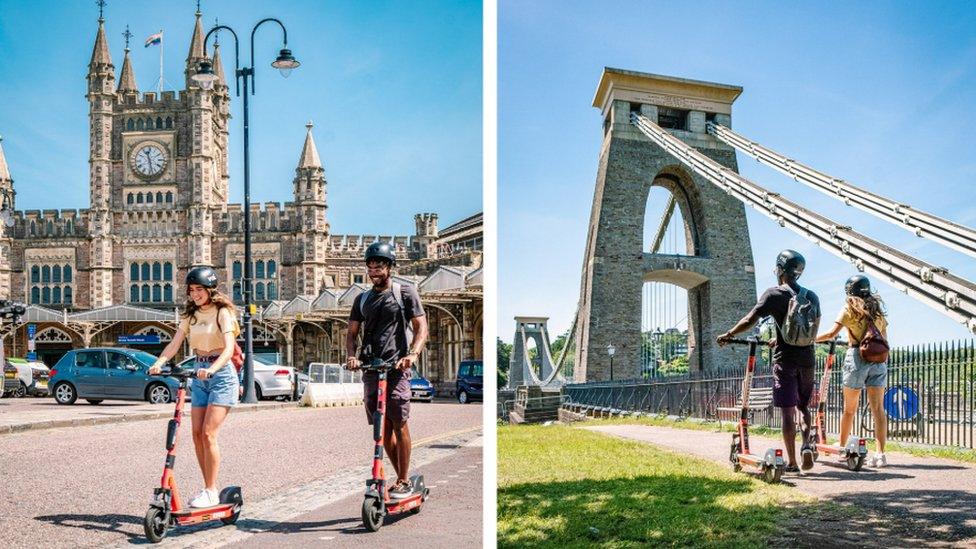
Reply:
x=405, y=330
x=802, y=320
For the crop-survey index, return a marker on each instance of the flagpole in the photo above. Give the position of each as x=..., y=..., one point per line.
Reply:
x=160, y=62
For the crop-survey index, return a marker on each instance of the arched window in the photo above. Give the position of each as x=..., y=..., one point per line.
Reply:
x=140, y=125
x=33, y=228
x=237, y=292
x=35, y=274
x=149, y=198
x=145, y=293
x=67, y=295
x=50, y=228
x=169, y=197
x=35, y=295
x=56, y=297
x=272, y=291
x=129, y=198
x=159, y=197
x=46, y=274
x=69, y=226
x=272, y=268
x=139, y=198
x=67, y=273
x=145, y=272
x=168, y=292
x=56, y=273
x=237, y=270
x=46, y=295
x=259, y=291
x=149, y=123
x=167, y=271
x=134, y=293
x=169, y=122
x=159, y=122
x=157, y=271
x=130, y=125
x=134, y=272
x=157, y=293
x=259, y=269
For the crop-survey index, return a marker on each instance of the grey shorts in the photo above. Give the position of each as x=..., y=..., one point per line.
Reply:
x=857, y=373
x=397, y=397
x=220, y=389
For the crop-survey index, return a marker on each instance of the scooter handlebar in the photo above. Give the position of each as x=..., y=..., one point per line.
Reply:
x=174, y=372
x=377, y=364
x=737, y=341
x=838, y=343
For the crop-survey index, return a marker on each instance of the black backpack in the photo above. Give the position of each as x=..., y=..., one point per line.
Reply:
x=404, y=330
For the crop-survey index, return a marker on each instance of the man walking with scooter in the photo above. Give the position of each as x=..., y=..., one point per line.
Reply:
x=394, y=328
x=796, y=311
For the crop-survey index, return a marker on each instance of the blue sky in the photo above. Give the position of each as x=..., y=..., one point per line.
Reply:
x=394, y=90
x=878, y=93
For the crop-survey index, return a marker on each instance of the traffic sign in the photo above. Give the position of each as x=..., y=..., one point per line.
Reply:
x=31, y=331
x=901, y=403
x=32, y=356
x=145, y=339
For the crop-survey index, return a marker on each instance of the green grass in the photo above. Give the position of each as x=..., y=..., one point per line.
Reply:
x=946, y=452
x=559, y=486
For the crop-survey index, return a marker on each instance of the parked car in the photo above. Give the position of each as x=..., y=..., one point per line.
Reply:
x=22, y=377
x=469, y=381
x=271, y=379
x=103, y=373
x=421, y=388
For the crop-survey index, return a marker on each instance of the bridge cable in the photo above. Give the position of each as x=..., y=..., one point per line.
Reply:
x=923, y=224
x=935, y=286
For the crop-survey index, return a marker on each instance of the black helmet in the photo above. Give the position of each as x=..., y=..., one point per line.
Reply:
x=790, y=263
x=204, y=276
x=858, y=285
x=381, y=250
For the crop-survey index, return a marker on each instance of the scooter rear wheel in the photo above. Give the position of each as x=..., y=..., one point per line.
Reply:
x=772, y=474
x=155, y=525
x=854, y=462
x=372, y=514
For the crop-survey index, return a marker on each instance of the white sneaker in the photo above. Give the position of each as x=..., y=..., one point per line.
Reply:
x=206, y=498
x=879, y=461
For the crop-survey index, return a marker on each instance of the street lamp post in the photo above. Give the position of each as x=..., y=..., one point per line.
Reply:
x=205, y=77
x=611, y=350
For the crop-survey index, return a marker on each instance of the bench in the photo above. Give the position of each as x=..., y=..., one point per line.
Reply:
x=760, y=398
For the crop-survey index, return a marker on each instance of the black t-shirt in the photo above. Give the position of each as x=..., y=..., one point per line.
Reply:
x=775, y=302
x=381, y=321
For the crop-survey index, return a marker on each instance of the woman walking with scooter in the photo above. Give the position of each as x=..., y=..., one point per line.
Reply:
x=865, y=364
x=210, y=323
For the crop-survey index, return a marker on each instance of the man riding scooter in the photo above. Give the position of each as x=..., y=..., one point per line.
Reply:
x=394, y=327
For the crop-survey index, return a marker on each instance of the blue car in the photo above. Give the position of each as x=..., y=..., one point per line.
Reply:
x=97, y=374
x=470, y=381
x=421, y=388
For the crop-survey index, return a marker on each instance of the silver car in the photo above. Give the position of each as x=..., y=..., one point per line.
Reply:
x=25, y=377
x=271, y=379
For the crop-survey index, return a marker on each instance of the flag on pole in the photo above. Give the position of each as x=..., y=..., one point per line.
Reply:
x=154, y=39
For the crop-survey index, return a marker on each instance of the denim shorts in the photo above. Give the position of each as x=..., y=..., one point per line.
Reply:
x=859, y=373
x=221, y=389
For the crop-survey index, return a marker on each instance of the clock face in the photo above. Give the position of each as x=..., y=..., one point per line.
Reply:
x=149, y=161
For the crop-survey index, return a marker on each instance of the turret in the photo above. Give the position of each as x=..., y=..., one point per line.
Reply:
x=101, y=99
x=310, y=202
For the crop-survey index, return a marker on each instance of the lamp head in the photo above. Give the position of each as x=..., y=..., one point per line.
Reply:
x=205, y=76
x=285, y=62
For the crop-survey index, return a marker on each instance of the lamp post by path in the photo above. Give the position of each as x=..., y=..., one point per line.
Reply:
x=611, y=350
x=205, y=77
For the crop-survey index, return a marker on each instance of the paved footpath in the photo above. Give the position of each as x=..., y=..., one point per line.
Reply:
x=87, y=486
x=930, y=501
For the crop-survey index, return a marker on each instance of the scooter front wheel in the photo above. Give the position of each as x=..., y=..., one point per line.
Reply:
x=372, y=514
x=155, y=524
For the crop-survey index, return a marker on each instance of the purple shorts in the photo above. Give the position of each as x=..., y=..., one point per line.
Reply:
x=397, y=397
x=792, y=386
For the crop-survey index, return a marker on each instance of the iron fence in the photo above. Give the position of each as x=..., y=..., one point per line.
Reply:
x=930, y=397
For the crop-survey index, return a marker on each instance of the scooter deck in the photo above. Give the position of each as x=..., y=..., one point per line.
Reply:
x=203, y=514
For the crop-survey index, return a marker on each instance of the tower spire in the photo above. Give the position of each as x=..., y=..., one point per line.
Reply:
x=310, y=155
x=127, y=78
x=100, y=57
x=196, y=53
x=4, y=171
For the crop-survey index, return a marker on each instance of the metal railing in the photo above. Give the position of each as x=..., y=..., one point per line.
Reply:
x=930, y=396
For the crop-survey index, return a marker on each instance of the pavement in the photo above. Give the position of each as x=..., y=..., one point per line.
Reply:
x=928, y=501
x=89, y=485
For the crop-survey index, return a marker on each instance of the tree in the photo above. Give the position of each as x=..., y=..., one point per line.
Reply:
x=504, y=358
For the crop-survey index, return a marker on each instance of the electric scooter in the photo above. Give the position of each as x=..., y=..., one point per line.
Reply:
x=856, y=450
x=166, y=509
x=377, y=503
x=771, y=465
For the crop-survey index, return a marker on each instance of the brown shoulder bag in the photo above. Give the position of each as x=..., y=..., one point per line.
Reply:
x=873, y=346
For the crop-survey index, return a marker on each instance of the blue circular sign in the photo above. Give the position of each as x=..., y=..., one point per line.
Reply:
x=901, y=403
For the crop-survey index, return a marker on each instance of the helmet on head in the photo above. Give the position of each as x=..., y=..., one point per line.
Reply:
x=382, y=251
x=790, y=263
x=204, y=276
x=858, y=285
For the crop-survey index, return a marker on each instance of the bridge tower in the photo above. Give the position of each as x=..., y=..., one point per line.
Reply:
x=521, y=371
x=717, y=272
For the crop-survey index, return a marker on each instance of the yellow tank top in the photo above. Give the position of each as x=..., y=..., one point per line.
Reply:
x=856, y=328
x=204, y=334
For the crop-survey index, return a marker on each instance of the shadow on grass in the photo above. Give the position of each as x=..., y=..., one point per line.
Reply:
x=622, y=512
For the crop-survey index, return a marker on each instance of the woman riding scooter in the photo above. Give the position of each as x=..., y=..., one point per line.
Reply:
x=861, y=309
x=210, y=322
